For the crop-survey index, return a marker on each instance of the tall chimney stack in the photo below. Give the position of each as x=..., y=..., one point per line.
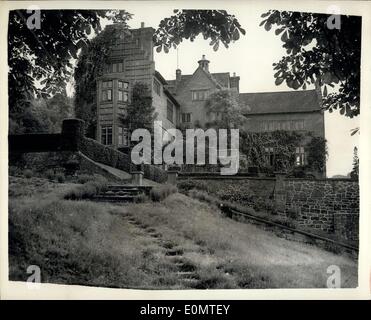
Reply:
x=235, y=82
x=178, y=74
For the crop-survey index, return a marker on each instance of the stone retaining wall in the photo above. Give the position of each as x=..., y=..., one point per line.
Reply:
x=330, y=205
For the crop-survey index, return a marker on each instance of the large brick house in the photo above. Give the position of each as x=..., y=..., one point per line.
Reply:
x=180, y=102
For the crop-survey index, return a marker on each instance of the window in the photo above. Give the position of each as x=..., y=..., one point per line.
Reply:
x=107, y=84
x=114, y=67
x=157, y=87
x=299, y=125
x=170, y=111
x=186, y=117
x=269, y=156
x=199, y=95
x=123, y=94
x=299, y=156
x=123, y=137
x=107, y=90
x=106, y=135
x=287, y=125
x=123, y=85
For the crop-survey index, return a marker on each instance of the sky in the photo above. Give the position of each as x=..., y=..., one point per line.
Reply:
x=251, y=57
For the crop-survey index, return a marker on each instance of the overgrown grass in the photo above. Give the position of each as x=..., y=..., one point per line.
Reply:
x=80, y=242
x=240, y=255
x=161, y=192
x=87, y=190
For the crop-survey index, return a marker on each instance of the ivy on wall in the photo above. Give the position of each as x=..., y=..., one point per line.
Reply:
x=284, y=143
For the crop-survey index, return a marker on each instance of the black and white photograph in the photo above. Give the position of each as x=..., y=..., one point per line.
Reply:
x=162, y=146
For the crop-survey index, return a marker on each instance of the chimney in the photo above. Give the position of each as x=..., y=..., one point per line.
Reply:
x=142, y=25
x=235, y=82
x=178, y=74
x=317, y=86
x=204, y=63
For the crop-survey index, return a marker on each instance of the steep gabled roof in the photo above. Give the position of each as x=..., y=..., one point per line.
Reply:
x=219, y=79
x=281, y=102
x=222, y=78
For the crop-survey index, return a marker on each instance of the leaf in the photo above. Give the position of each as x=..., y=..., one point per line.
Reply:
x=235, y=35
x=216, y=46
x=278, y=31
x=159, y=48
x=284, y=36
x=325, y=91
x=327, y=77
x=278, y=81
x=88, y=29
x=268, y=26
x=261, y=23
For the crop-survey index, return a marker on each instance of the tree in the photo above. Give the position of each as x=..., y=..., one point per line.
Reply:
x=217, y=25
x=224, y=110
x=46, y=54
x=317, y=53
x=354, y=174
x=140, y=112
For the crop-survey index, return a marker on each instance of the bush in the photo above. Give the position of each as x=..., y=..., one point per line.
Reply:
x=192, y=184
x=204, y=196
x=87, y=190
x=106, y=155
x=141, y=198
x=162, y=192
x=60, y=177
x=50, y=174
x=84, y=178
x=28, y=173
x=14, y=171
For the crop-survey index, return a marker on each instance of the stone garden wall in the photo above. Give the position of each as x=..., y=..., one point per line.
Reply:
x=329, y=205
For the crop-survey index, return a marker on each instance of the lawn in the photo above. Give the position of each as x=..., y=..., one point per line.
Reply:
x=144, y=245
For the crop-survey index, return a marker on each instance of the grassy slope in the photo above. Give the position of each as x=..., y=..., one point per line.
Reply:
x=78, y=242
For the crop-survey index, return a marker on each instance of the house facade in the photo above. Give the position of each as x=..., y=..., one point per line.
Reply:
x=180, y=102
x=130, y=61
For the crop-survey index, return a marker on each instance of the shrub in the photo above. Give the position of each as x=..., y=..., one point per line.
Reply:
x=162, y=192
x=50, y=174
x=84, y=178
x=28, y=173
x=141, y=198
x=13, y=171
x=60, y=177
x=204, y=196
x=192, y=184
x=87, y=190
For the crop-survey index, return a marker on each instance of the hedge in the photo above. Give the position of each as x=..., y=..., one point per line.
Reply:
x=114, y=158
x=106, y=155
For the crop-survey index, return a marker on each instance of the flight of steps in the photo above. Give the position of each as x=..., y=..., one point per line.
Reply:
x=122, y=193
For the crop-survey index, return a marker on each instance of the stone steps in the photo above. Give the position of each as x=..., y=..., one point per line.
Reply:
x=121, y=193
